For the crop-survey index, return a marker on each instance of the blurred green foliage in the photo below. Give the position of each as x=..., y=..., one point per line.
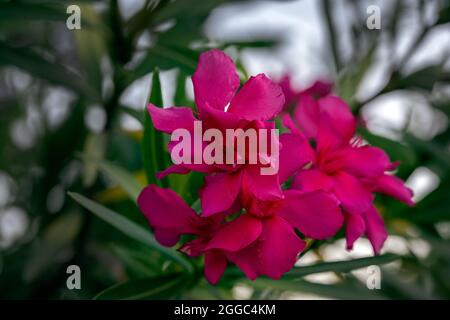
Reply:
x=102, y=231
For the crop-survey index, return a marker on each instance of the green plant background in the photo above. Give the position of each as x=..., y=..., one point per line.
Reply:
x=76, y=188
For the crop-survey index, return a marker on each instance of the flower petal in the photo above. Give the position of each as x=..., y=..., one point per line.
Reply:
x=279, y=247
x=215, y=80
x=328, y=137
x=169, y=119
x=289, y=123
x=394, y=187
x=289, y=94
x=319, y=89
x=351, y=193
x=365, y=161
x=247, y=260
x=375, y=230
x=312, y=179
x=215, y=265
x=307, y=115
x=166, y=237
x=219, y=192
x=273, y=254
x=262, y=187
x=340, y=114
x=237, y=234
x=315, y=214
x=259, y=99
x=176, y=168
x=219, y=119
x=355, y=228
x=167, y=213
x=295, y=153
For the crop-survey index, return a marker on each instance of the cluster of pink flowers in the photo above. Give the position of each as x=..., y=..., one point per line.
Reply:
x=253, y=220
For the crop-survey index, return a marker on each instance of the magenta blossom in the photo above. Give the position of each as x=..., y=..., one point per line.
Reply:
x=345, y=167
x=318, y=89
x=222, y=106
x=261, y=241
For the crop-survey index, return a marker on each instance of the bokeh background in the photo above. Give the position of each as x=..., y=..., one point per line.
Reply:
x=71, y=119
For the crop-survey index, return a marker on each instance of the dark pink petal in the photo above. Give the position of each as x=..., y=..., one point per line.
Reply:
x=365, y=161
x=195, y=247
x=287, y=121
x=319, y=89
x=167, y=237
x=248, y=260
x=312, y=179
x=295, y=153
x=215, y=265
x=259, y=99
x=355, y=228
x=279, y=247
x=375, y=230
x=176, y=168
x=315, y=214
x=339, y=112
x=167, y=213
x=307, y=115
x=273, y=254
x=394, y=187
x=328, y=137
x=219, y=192
x=352, y=194
x=219, y=119
x=169, y=119
x=237, y=234
x=262, y=187
x=289, y=94
x=215, y=80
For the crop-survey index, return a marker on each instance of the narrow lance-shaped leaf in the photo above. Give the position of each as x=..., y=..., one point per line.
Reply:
x=124, y=179
x=341, y=266
x=130, y=228
x=154, y=154
x=158, y=287
x=344, y=290
x=37, y=66
x=27, y=11
x=335, y=266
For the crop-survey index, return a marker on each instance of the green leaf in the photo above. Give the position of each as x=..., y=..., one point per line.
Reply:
x=124, y=179
x=154, y=154
x=58, y=237
x=341, y=266
x=166, y=57
x=344, y=290
x=130, y=229
x=435, y=150
x=395, y=150
x=137, y=263
x=350, y=78
x=14, y=11
x=36, y=65
x=94, y=150
x=424, y=79
x=136, y=114
x=159, y=287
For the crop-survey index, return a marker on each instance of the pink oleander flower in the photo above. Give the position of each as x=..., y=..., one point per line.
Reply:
x=261, y=241
x=222, y=106
x=344, y=166
x=318, y=89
